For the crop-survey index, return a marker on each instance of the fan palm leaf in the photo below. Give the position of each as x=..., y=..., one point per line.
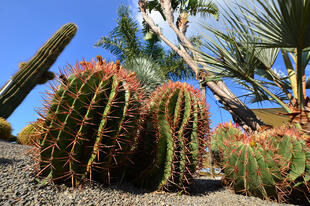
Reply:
x=285, y=24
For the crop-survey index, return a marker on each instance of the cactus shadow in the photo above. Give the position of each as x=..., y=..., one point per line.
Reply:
x=4, y=161
x=202, y=186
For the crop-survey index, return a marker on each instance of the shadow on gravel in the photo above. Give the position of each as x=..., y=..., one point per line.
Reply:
x=4, y=161
x=198, y=188
x=204, y=186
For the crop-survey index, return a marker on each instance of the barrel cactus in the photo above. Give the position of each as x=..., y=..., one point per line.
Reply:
x=269, y=165
x=222, y=135
x=173, y=140
x=90, y=124
x=30, y=135
x=5, y=129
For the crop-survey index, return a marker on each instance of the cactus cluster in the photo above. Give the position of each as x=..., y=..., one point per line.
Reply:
x=5, y=129
x=98, y=125
x=271, y=165
x=90, y=124
x=35, y=71
x=173, y=140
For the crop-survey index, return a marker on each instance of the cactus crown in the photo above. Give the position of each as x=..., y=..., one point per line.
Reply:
x=30, y=135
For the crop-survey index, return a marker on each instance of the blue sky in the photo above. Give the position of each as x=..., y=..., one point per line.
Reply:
x=26, y=25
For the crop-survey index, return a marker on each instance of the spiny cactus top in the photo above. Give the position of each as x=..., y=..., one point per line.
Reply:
x=91, y=121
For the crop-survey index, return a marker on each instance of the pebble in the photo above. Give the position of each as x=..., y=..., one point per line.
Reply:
x=18, y=187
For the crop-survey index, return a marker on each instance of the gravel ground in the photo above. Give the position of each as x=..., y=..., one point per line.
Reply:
x=18, y=187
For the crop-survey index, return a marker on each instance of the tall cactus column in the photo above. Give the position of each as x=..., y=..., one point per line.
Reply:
x=34, y=71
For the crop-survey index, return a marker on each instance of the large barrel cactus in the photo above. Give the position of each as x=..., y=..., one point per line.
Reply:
x=269, y=165
x=173, y=139
x=90, y=127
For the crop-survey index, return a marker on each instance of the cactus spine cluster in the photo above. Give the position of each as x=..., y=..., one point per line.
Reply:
x=269, y=165
x=173, y=140
x=91, y=124
x=35, y=71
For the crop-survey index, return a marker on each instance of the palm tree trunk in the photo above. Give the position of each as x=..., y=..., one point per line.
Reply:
x=241, y=114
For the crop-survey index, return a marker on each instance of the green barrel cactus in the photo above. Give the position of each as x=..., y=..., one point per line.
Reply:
x=35, y=71
x=174, y=138
x=90, y=124
x=269, y=165
x=221, y=136
x=5, y=129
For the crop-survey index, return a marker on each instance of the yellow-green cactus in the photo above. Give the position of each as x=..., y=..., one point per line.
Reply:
x=30, y=135
x=5, y=129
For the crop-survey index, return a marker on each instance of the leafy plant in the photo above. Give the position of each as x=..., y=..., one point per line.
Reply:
x=247, y=53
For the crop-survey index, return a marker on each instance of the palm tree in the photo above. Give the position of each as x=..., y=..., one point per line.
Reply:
x=247, y=53
x=240, y=112
x=146, y=57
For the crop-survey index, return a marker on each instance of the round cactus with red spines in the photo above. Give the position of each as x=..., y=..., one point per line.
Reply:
x=90, y=124
x=222, y=135
x=173, y=139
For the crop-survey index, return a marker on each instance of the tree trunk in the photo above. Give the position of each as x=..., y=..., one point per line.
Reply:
x=241, y=114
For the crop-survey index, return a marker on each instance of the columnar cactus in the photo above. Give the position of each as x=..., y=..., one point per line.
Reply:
x=91, y=124
x=173, y=141
x=269, y=165
x=35, y=71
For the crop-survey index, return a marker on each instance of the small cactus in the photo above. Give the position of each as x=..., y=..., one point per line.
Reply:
x=5, y=129
x=90, y=124
x=30, y=135
x=173, y=140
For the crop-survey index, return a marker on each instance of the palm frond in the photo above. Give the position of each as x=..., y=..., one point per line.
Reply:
x=123, y=41
x=113, y=45
x=282, y=24
x=202, y=7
